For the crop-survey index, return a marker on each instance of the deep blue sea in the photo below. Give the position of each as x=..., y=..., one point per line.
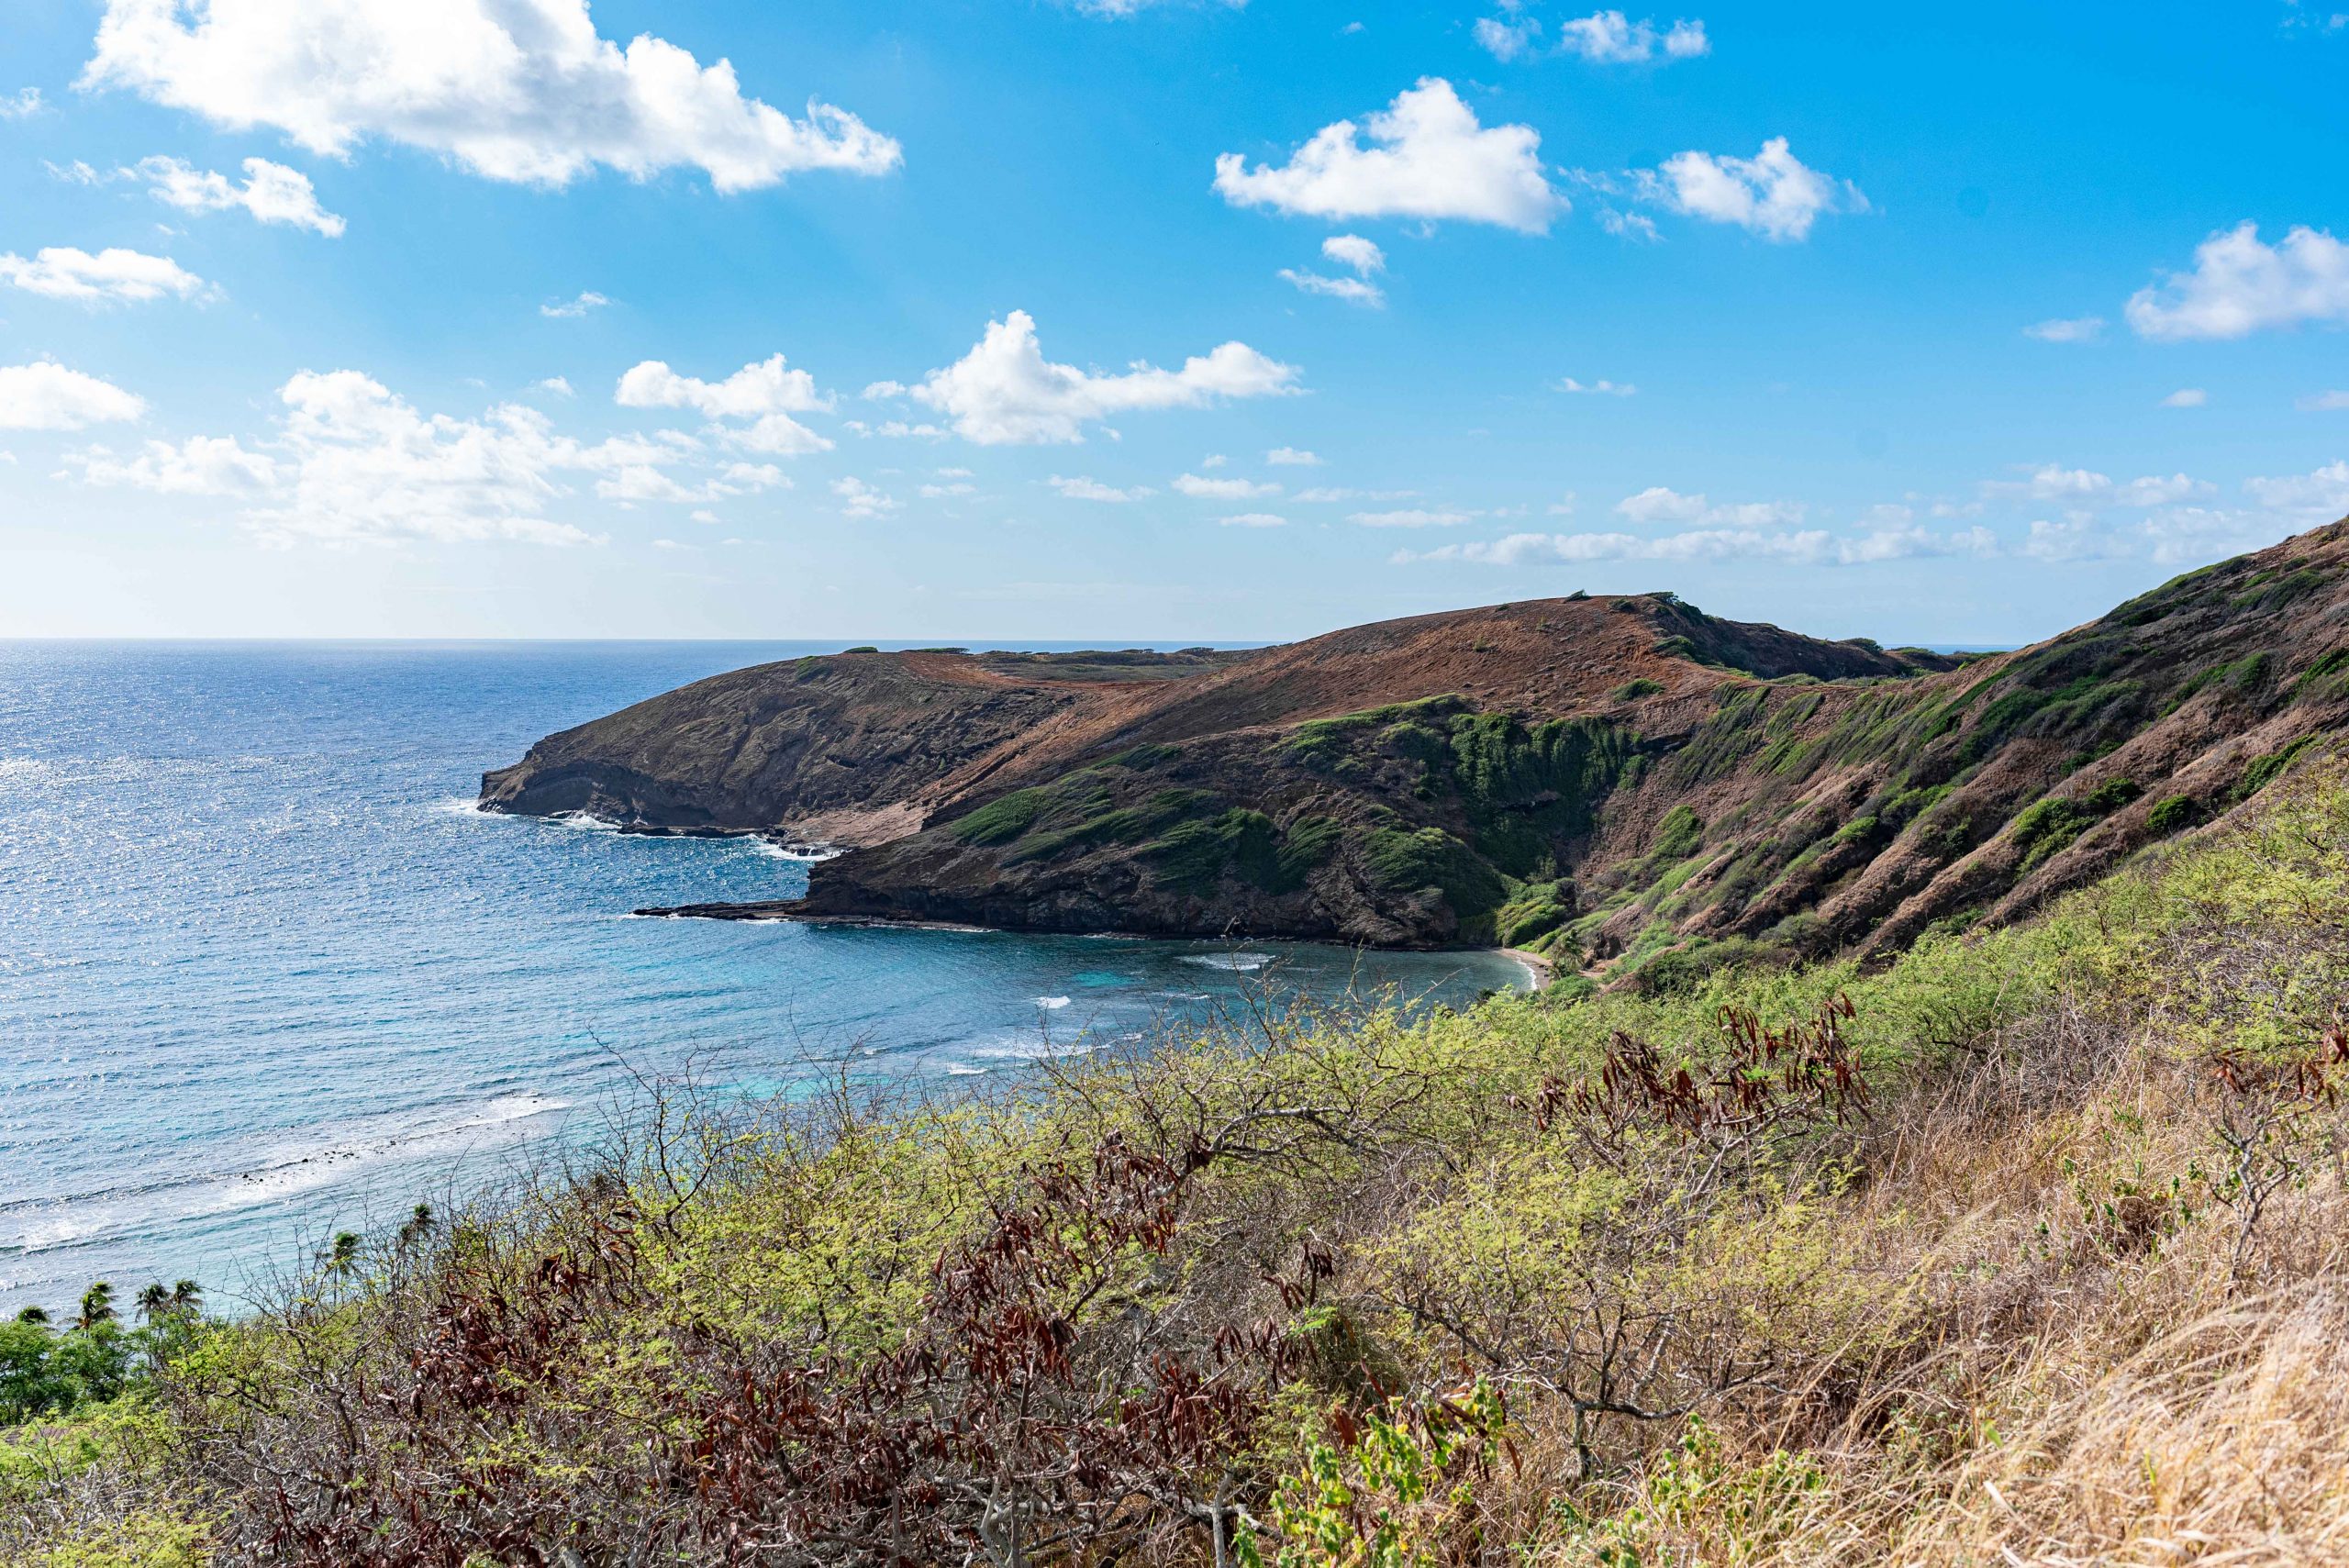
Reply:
x=264, y=972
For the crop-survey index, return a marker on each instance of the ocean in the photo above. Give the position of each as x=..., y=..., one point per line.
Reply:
x=264, y=972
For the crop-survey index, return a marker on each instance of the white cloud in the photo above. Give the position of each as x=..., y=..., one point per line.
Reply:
x=1773, y=193
x=1253, y=520
x=764, y=393
x=113, y=276
x=367, y=468
x=45, y=396
x=1354, y=291
x=1426, y=158
x=1607, y=38
x=1598, y=388
x=1604, y=38
x=1348, y=250
x=1213, y=460
x=877, y=391
x=271, y=192
x=21, y=105
x=859, y=499
x=572, y=309
x=1809, y=547
x=2075, y=538
x=1223, y=489
x=558, y=385
x=2322, y=401
x=946, y=492
x=1411, y=519
x=1329, y=495
x=1005, y=391
x=2086, y=487
x=1353, y=250
x=2187, y=397
x=1660, y=503
x=2154, y=490
x=2074, y=329
x=2320, y=496
x=1629, y=225
x=516, y=89
x=1505, y=40
x=764, y=387
x=1291, y=456
x=1083, y=487
x=643, y=482
x=203, y=465
x=2240, y=285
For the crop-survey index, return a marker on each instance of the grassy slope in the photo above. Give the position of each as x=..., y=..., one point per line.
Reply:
x=2037, y=1255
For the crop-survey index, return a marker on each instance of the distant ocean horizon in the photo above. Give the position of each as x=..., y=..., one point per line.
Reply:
x=265, y=973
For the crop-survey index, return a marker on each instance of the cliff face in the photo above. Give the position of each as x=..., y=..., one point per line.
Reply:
x=1610, y=779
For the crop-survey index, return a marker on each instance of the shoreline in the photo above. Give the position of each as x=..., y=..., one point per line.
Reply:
x=1540, y=970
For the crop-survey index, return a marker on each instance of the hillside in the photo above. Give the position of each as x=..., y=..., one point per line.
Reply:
x=1618, y=781
x=2024, y=1247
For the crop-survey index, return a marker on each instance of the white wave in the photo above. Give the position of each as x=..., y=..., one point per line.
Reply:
x=586, y=821
x=798, y=856
x=463, y=806
x=293, y=1167
x=1237, y=963
x=1051, y=1002
x=958, y=1069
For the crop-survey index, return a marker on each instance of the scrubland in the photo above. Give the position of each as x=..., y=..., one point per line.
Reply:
x=2029, y=1246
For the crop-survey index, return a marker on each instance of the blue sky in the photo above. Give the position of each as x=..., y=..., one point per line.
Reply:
x=459, y=317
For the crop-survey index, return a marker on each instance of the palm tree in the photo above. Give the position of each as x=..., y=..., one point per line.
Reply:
x=33, y=1315
x=97, y=1307
x=187, y=1297
x=345, y=1252
x=420, y=1225
x=154, y=1301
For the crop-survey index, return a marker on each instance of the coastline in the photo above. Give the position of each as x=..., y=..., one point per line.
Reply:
x=1540, y=970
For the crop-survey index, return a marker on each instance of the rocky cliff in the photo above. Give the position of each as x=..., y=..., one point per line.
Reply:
x=1622, y=780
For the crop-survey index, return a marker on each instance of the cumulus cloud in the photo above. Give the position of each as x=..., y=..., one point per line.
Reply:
x=351, y=462
x=202, y=465
x=2240, y=285
x=1661, y=503
x=1354, y=291
x=2187, y=397
x=1773, y=193
x=2320, y=496
x=575, y=307
x=1291, y=456
x=519, y=90
x=22, y=105
x=1253, y=520
x=1412, y=518
x=1808, y=547
x=360, y=465
x=2321, y=401
x=2072, y=329
x=859, y=499
x=113, y=276
x=1425, y=156
x=1348, y=250
x=947, y=492
x=1603, y=38
x=765, y=393
x=1330, y=495
x=271, y=193
x=1083, y=487
x=1223, y=489
x=556, y=384
x=47, y=396
x=1598, y=388
x=1352, y=251
x=2087, y=488
x=1004, y=392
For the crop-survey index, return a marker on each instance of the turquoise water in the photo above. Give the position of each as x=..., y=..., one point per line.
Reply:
x=263, y=972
